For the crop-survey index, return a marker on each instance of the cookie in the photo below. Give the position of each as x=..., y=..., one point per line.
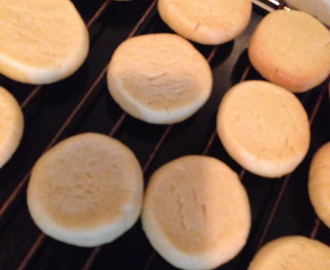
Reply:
x=319, y=183
x=208, y=22
x=264, y=128
x=86, y=191
x=11, y=125
x=159, y=78
x=291, y=49
x=292, y=252
x=41, y=41
x=318, y=8
x=196, y=213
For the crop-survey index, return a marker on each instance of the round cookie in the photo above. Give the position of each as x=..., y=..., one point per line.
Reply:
x=86, y=191
x=292, y=252
x=196, y=212
x=159, y=78
x=319, y=183
x=41, y=41
x=291, y=49
x=11, y=125
x=207, y=22
x=264, y=128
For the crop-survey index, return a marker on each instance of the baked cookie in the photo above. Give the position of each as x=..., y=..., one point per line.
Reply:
x=207, y=22
x=319, y=183
x=159, y=78
x=196, y=212
x=318, y=8
x=86, y=191
x=292, y=252
x=11, y=125
x=264, y=128
x=291, y=49
x=41, y=41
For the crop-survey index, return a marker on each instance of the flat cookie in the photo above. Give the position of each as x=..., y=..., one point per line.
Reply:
x=292, y=252
x=41, y=41
x=207, y=22
x=11, y=125
x=196, y=212
x=319, y=183
x=291, y=49
x=264, y=128
x=159, y=78
x=86, y=191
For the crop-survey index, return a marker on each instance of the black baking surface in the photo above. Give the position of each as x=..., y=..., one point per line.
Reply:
x=283, y=204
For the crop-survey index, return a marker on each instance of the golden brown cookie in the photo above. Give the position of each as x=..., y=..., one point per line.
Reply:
x=264, y=128
x=292, y=252
x=208, y=22
x=319, y=183
x=291, y=49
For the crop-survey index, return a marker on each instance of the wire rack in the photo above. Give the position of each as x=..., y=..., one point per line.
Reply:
x=81, y=103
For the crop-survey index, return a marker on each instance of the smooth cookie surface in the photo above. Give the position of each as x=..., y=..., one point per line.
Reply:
x=292, y=252
x=41, y=41
x=291, y=49
x=319, y=183
x=208, y=22
x=264, y=128
x=11, y=125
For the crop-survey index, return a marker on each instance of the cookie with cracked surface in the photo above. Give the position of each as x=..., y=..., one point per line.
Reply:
x=159, y=78
x=196, y=212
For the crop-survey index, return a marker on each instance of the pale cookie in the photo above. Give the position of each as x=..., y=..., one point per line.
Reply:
x=86, y=191
x=159, y=78
x=41, y=41
x=291, y=49
x=292, y=252
x=11, y=125
x=319, y=183
x=207, y=22
x=196, y=213
x=264, y=128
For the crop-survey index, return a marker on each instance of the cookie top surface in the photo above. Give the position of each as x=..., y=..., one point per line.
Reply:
x=291, y=49
x=292, y=252
x=318, y=8
x=319, y=183
x=264, y=128
x=208, y=22
x=41, y=41
x=87, y=190
x=196, y=212
x=11, y=125
x=159, y=78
